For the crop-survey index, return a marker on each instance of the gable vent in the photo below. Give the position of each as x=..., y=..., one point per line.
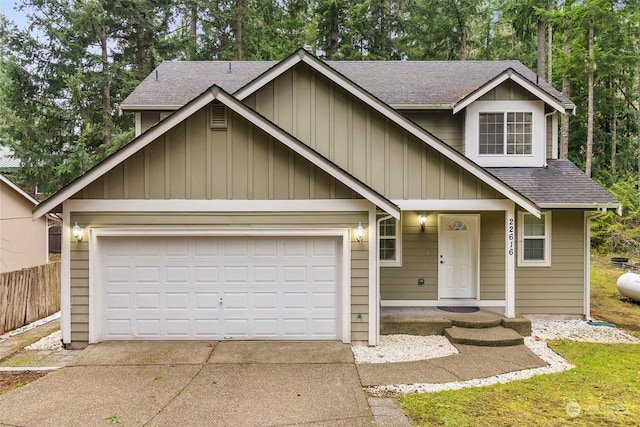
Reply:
x=218, y=116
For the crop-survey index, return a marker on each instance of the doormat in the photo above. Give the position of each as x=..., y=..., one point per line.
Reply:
x=459, y=309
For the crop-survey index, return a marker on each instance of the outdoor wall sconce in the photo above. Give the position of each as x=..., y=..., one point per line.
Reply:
x=77, y=232
x=360, y=232
x=423, y=222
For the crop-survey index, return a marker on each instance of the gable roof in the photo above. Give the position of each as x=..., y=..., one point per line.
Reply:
x=208, y=96
x=400, y=84
x=17, y=189
x=560, y=185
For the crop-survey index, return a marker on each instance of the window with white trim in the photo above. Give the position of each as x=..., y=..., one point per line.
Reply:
x=389, y=238
x=534, y=243
x=505, y=133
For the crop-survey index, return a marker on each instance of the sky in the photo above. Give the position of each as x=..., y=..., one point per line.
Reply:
x=6, y=8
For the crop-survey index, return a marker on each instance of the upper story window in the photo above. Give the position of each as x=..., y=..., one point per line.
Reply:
x=389, y=237
x=505, y=133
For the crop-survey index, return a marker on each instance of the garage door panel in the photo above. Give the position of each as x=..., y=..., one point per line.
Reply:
x=220, y=288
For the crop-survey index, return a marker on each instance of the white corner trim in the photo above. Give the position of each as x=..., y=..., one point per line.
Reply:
x=511, y=246
x=587, y=265
x=65, y=277
x=374, y=281
x=95, y=295
x=178, y=205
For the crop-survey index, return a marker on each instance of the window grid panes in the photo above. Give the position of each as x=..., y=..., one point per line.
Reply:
x=388, y=239
x=533, y=236
x=505, y=133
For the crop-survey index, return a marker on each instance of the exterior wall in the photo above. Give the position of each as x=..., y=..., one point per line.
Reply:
x=359, y=252
x=549, y=136
x=508, y=91
x=148, y=119
x=420, y=259
x=23, y=241
x=194, y=161
x=442, y=124
x=362, y=141
x=558, y=289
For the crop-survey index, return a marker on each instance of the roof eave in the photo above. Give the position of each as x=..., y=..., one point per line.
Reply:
x=581, y=206
x=422, y=106
x=511, y=74
x=19, y=190
x=150, y=107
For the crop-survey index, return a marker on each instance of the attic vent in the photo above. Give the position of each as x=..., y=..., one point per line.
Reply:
x=218, y=116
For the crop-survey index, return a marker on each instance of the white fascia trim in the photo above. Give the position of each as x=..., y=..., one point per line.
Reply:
x=65, y=277
x=95, y=302
x=442, y=302
x=306, y=152
x=18, y=189
x=589, y=206
x=269, y=75
x=178, y=205
x=127, y=151
x=510, y=74
x=454, y=204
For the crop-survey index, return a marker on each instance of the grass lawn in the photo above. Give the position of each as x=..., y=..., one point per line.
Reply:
x=603, y=389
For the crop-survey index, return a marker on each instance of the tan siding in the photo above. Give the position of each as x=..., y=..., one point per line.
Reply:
x=359, y=253
x=559, y=288
x=148, y=120
x=364, y=142
x=23, y=241
x=442, y=124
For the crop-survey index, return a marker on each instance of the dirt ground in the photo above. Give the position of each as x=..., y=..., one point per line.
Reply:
x=11, y=380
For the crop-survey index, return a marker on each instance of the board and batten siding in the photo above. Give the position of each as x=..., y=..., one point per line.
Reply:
x=362, y=141
x=558, y=289
x=443, y=124
x=359, y=252
x=192, y=161
x=420, y=259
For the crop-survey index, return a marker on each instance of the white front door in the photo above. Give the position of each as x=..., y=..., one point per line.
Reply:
x=458, y=256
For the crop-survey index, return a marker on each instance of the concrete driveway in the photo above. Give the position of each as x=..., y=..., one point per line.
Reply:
x=196, y=384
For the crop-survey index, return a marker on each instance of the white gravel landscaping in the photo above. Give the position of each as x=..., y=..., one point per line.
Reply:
x=50, y=342
x=393, y=348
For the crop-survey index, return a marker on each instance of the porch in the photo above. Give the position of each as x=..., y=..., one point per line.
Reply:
x=463, y=326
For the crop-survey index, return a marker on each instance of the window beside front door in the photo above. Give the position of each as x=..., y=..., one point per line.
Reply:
x=534, y=247
x=389, y=237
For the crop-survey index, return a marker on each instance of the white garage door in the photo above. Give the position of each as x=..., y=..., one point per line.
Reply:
x=197, y=288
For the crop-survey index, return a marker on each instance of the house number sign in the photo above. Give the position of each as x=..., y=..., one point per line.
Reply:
x=510, y=236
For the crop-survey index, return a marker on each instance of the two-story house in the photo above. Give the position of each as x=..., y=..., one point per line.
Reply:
x=294, y=199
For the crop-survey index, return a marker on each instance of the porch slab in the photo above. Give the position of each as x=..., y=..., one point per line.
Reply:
x=487, y=337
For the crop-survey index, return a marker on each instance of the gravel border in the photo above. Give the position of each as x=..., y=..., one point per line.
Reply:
x=542, y=331
x=404, y=348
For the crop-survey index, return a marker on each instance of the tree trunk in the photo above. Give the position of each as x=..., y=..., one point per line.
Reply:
x=541, y=44
x=239, y=42
x=638, y=115
x=566, y=91
x=614, y=140
x=550, y=55
x=463, y=42
x=589, y=155
x=107, y=86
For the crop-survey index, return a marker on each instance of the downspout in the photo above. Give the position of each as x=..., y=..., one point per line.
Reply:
x=377, y=255
x=587, y=255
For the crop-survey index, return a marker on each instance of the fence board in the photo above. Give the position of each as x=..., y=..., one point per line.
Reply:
x=28, y=295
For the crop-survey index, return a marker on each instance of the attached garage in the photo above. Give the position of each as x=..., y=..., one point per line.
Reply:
x=203, y=287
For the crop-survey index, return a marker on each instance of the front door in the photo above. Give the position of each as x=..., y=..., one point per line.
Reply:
x=458, y=256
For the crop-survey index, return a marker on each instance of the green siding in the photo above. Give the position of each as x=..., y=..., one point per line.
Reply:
x=508, y=91
x=359, y=253
x=558, y=289
x=442, y=124
x=364, y=142
x=193, y=161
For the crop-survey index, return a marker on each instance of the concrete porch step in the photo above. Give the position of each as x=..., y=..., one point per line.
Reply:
x=497, y=336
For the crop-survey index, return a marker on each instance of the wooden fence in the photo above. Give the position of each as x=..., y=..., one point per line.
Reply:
x=28, y=295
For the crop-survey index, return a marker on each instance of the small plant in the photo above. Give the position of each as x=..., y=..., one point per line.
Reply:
x=113, y=419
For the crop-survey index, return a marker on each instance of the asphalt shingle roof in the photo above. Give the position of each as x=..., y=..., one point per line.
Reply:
x=561, y=182
x=433, y=83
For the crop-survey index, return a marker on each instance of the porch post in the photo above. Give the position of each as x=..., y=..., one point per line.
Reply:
x=510, y=263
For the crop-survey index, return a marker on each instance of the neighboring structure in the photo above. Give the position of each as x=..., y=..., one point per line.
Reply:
x=23, y=240
x=8, y=163
x=290, y=200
